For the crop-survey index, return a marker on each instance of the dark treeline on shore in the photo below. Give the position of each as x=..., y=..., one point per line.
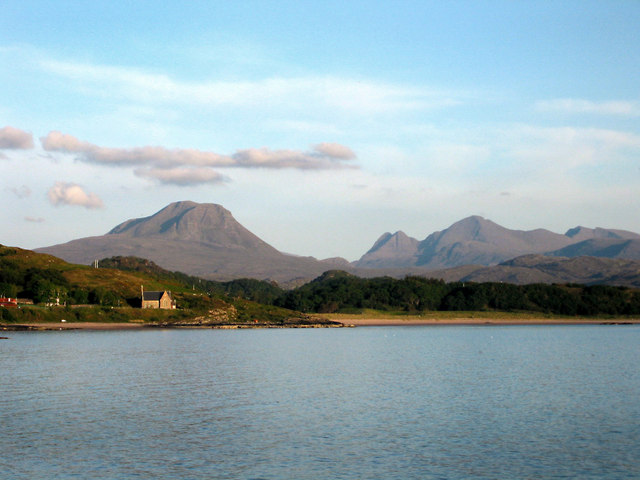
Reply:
x=339, y=291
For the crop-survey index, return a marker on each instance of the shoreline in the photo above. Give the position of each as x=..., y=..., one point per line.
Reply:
x=340, y=321
x=51, y=326
x=44, y=326
x=395, y=322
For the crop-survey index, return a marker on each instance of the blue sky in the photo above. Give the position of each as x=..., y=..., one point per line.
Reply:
x=319, y=125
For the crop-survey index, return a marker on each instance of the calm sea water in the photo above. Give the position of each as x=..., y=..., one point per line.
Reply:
x=363, y=403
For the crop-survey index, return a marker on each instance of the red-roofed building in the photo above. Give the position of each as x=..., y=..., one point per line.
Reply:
x=8, y=302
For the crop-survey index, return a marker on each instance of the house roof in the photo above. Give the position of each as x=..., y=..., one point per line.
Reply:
x=154, y=296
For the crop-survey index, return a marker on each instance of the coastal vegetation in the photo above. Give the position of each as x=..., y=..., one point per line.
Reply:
x=52, y=290
x=111, y=293
x=338, y=291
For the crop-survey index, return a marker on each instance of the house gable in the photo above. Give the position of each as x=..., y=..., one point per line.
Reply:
x=159, y=299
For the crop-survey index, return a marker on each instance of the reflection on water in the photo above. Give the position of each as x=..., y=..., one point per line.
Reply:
x=364, y=403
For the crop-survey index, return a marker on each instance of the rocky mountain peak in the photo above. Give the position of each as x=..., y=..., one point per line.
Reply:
x=206, y=223
x=474, y=229
x=189, y=221
x=395, y=241
x=577, y=232
x=168, y=219
x=389, y=250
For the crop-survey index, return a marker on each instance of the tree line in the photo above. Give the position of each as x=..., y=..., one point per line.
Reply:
x=339, y=291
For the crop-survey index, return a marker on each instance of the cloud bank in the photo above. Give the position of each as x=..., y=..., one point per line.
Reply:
x=190, y=166
x=12, y=138
x=181, y=176
x=63, y=193
x=358, y=96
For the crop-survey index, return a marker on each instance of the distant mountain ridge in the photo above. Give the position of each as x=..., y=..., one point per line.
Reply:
x=583, y=233
x=529, y=269
x=477, y=241
x=205, y=240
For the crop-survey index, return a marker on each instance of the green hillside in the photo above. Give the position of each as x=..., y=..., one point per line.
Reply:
x=60, y=290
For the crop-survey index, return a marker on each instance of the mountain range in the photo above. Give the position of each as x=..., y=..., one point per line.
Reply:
x=477, y=241
x=205, y=240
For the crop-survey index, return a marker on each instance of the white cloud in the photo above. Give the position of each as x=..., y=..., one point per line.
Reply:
x=325, y=156
x=191, y=166
x=335, y=150
x=182, y=176
x=34, y=219
x=63, y=193
x=338, y=93
x=160, y=156
x=15, y=139
x=580, y=106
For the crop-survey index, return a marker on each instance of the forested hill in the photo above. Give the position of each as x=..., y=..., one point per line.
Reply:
x=339, y=291
x=82, y=293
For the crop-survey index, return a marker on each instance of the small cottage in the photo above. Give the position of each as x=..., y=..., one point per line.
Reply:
x=161, y=299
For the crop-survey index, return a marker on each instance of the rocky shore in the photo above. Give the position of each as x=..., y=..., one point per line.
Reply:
x=139, y=326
